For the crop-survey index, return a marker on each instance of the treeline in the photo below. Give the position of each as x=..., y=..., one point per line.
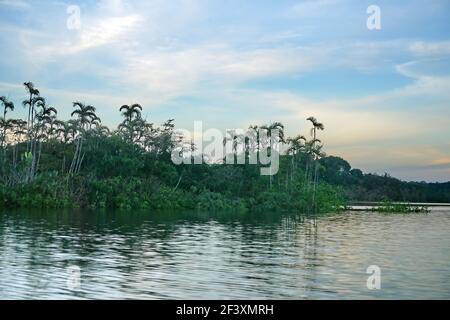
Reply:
x=47, y=162
x=358, y=186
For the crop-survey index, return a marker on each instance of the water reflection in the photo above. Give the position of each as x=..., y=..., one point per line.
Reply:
x=185, y=255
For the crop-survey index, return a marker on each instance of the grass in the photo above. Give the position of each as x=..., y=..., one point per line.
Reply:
x=392, y=207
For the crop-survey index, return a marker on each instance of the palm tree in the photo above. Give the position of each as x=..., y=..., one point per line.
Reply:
x=316, y=126
x=62, y=131
x=149, y=136
x=34, y=102
x=5, y=125
x=295, y=146
x=132, y=114
x=43, y=129
x=31, y=103
x=20, y=128
x=315, y=152
x=234, y=137
x=86, y=117
x=251, y=144
x=47, y=116
x=274, y=126
x=85, y=114
x=66, y=131
x=102, y=131
x=131, y=111
x=33, y=92
x=73, y=128
x=7, y=105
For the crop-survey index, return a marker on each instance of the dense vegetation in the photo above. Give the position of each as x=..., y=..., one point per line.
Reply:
x=47, y=162
x=372, y=187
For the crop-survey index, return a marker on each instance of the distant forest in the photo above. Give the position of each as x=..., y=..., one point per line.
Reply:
x=372, y=187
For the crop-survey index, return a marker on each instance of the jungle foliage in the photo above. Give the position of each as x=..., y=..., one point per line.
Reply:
x=48, y=162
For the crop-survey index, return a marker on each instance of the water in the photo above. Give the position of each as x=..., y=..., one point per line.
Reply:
x=147, y=255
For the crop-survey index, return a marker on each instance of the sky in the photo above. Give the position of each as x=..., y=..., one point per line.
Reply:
x=383, y=95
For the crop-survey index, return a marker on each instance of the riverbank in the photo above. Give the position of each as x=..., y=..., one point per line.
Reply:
x=151, y=193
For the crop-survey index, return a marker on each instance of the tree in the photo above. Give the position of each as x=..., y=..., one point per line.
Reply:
x=84, y=113
x=7, y=105
x=316, y=126
x=296, y=146
x=33, y=92
x=130, y=112
x=132, y=121
x=34, y=101
x=47, y=118
x=86, y=117
x=315, y=152
x=274, y=126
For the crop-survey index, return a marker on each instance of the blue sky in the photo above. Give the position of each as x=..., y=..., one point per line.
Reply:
x=383, y=95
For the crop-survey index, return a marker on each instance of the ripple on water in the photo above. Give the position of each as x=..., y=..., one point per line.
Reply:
x=150, y=256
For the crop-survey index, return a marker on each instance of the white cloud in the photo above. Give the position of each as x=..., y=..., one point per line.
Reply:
x=308, y=7
x=180, y=71
x=15, y=4
x=102, y=32
x=430, y=49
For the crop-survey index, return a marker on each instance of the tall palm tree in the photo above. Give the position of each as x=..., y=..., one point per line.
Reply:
x=5, y=125
x=34, y=102
x=86, y=116
x=132, y=114
x=235, y=138
x=251, y=144
x=7, y=105
x=316, y=153
x=316, y=126
x=275, y=126
x=295, y=147
x=102, y=131
x=74, y=128
x=31, y=103
x=131, y=111
x=296, y=144
x=20, y=129
x=33, y=92
x=47, y=117
x=270, y=128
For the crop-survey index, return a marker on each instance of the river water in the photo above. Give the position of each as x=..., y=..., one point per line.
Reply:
x=183, y=255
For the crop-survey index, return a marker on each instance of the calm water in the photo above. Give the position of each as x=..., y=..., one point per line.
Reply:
x=223, y=256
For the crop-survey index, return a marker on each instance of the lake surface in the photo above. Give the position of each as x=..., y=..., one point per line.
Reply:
x=147, y=255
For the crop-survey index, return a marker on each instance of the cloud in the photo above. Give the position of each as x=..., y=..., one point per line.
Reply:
x=15, y=4
x=103, y=32
x=429, y=49
x=308, y=7
x=176, y=72
x=198, y=59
